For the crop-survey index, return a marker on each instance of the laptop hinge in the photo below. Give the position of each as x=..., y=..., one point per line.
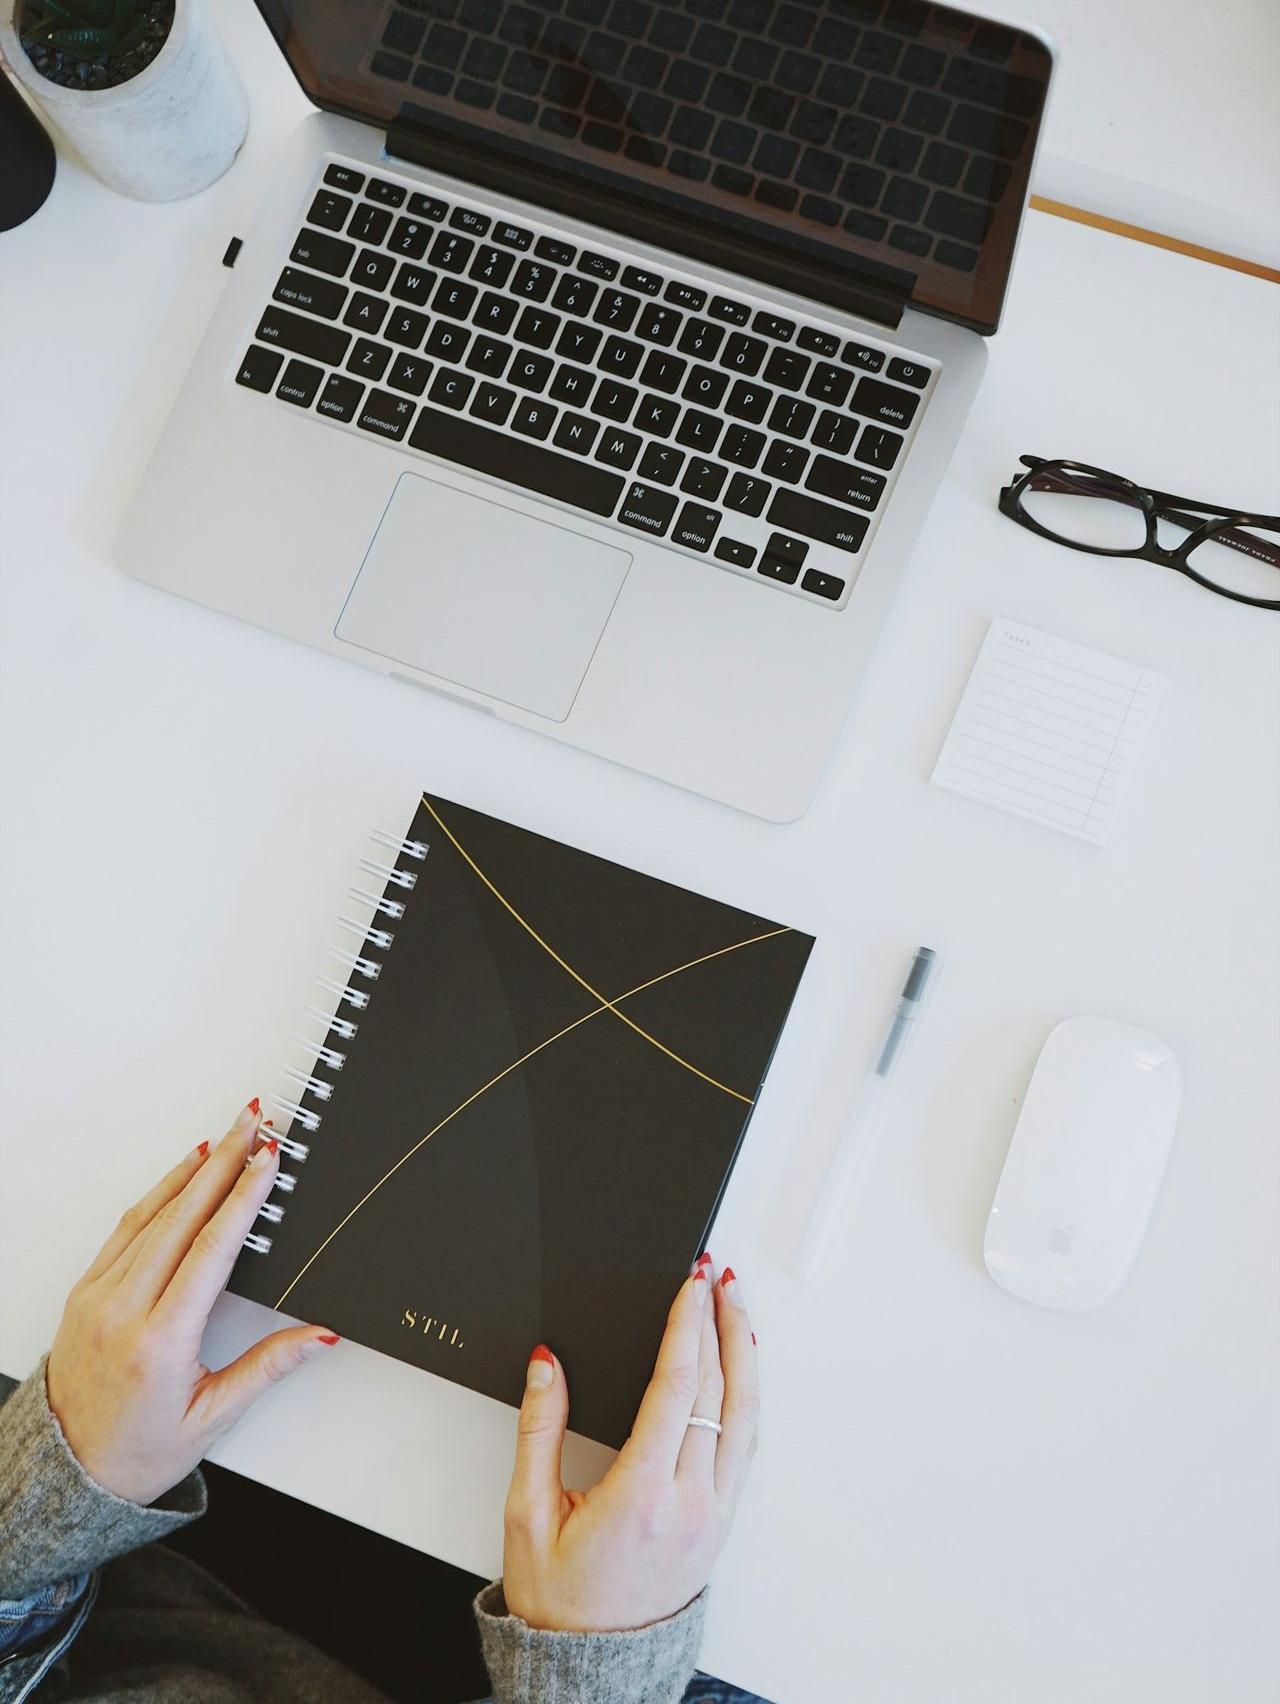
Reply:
x=798, y=267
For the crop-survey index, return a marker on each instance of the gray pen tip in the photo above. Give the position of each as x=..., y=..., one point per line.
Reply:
x=921, y=972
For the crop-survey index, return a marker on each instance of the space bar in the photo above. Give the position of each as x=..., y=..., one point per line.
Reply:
x=517, y=461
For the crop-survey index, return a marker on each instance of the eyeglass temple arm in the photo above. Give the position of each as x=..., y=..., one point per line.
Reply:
x=1258, y=548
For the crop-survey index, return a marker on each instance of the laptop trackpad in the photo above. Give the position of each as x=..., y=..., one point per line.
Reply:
x=483, y=596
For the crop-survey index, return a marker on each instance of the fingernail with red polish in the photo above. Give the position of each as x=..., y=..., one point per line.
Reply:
x=329, y=1337
x=541, y=1369
x=273, y=1146
x=753, y=1337
x=727, y=1276
x=255, y=1106
x=202, y=1149
x=703, y=1259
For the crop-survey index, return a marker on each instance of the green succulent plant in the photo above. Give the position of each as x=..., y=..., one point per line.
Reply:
x=85, y=29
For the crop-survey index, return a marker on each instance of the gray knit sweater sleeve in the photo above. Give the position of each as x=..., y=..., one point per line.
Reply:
x=651, y=1665
x=54, y=1520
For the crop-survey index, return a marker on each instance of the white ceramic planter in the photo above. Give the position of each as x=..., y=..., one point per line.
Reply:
x=168, y=132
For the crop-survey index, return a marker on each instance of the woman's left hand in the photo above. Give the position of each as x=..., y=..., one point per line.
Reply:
x=125, y=1378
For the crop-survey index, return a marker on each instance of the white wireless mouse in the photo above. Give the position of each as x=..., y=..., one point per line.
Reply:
x=1085, y=1164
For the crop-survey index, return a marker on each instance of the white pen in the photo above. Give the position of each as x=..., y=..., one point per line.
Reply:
x=855, y=1145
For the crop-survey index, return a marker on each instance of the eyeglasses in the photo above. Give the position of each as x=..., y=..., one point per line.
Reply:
x=1234, y=554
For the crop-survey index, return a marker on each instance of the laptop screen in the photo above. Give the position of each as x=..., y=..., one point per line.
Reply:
x=885, y=139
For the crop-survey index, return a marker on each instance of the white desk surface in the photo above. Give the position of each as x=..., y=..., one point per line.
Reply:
x=957, y=1496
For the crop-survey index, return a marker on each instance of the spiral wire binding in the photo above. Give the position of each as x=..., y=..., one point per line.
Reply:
x=309, y=1086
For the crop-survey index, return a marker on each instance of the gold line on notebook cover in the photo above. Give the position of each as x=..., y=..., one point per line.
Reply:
x=581, y=980
x=506, y=1071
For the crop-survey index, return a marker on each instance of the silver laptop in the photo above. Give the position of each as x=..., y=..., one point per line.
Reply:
x=594, y=362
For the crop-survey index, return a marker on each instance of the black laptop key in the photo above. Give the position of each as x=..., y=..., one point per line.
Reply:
x=340, y=397
x=491, y=266
x=488, y=356
x=620, y=357
x=512, y=236
x=448, y=342
x=578, y=342
x=322, y=253
x=491, y=403
x=742, y=354
x=658, y=324
x=598, y=266
x=730, y=550
x=572, y=384
x=742, y=446
x=701, y=339
x=618, y=449
x=853, y=486
x=786, y=369
x=534, y=418
x=467, y=219
x=329, y=211
x=859, y=355
x=574, y=295
x=778, y=568
x=386, y=415
x=747, y=493
x=368, y=359
x=365, y=312
x=369, y=224
x=685, y=296
x=907, y=372
x=818, y=342
x=705, y=386
x=834, y=432
x=703, y=478
x=303, y=336
x=696, y=527
x=451, y=388
x=495, y=313
x=877, y=447
x=410, y=238
x=661, y=462
x=304, y=290
x=454, y=299
x=409, y=373
x=530, y=372
x=576, y=433
x=639, y=278
x=822, y=585
x=829, y=384
x=824, y=522
x=406, y=328
x=517, y=460
x=451, y=252
x=259, y=368
x=773, y=325
x=656, y=415
x=343, y=177
x=552, y=249
x=786, y=462
x=614, y=401
x=647, y=509
x=616, y=310
x=885, y=403
x=372, y=270
x=537, y=327
x=698, y=431
x=390, y=194
x=533, y=280
x=428, y=207
x=791, y=417
x=748, y=401
x=413, y=284
x=723, y=308
x=662, y=372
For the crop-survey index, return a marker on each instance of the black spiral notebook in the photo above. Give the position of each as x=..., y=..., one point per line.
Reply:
x=522, y=1114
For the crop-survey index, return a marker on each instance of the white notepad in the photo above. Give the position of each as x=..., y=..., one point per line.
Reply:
x=1049, y=730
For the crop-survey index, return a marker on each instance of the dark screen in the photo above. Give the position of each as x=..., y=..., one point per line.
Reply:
x=888, y=139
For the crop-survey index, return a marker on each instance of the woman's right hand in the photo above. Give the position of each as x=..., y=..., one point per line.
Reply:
x=638, y=1546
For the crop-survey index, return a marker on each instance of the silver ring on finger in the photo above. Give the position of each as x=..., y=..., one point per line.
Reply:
x=711, y=1425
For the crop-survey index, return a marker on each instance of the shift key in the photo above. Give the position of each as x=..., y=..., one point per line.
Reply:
x=797, y=513
x=303, y=336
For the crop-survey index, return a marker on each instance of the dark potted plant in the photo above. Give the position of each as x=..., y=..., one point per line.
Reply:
x=143, y=88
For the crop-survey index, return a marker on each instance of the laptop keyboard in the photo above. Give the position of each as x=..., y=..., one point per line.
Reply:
x=766, y=444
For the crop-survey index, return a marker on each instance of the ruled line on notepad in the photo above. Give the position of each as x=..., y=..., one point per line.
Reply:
x=1047, y=746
